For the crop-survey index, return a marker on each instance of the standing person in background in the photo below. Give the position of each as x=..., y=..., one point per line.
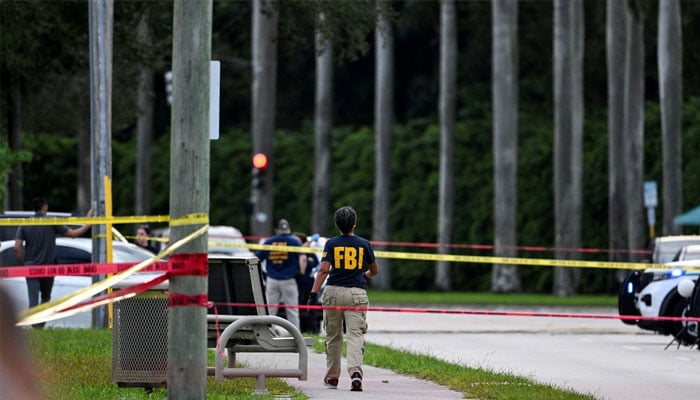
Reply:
x=282, y=268
x=347, y=260
x=309, y=322
x=143, y=233
x=41, y=250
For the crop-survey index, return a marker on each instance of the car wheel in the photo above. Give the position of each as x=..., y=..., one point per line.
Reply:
x=695, y=300
x=682, y=331
x=694, y=311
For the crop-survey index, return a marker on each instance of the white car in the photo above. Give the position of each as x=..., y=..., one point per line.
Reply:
x=654, y=293
x=663, y=250
x=222, y=240
x=69, y=251
x=689, y=252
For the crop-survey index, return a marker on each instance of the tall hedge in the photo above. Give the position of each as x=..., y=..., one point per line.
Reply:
x=415, y=156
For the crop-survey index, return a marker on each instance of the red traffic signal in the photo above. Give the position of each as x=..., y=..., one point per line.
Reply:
x=260, y=161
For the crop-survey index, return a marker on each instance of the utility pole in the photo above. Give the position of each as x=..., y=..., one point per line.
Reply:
x=101, y=15
x=264, y=51
x=189, y=192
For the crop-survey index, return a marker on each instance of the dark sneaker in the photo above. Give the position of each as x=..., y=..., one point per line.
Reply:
x=331, y=383
x=356, y=382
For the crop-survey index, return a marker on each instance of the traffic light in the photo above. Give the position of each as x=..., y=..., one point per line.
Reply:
x=169, y=86
x=260, y=164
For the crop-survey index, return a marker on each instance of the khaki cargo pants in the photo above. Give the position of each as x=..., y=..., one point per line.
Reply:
x=355, y=324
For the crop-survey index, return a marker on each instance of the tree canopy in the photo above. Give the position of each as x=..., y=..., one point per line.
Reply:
x=44, y=46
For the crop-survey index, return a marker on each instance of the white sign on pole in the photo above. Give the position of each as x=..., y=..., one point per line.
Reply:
x=214, y=95
x=651, y=198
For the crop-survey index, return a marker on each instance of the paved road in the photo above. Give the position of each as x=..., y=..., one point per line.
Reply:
x=603, y=357
x=600, y=356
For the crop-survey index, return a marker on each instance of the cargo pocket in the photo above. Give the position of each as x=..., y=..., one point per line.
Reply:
x=329, y=299
x=359, y=297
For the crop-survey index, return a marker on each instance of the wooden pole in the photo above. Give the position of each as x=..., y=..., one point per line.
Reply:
x=101, y=14
x=189, y=191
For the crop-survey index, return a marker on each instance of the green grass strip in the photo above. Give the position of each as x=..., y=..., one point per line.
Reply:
x=472, y=382
x=467, y=299
x=76, y=364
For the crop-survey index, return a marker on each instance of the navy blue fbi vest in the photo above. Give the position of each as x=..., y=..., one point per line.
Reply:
x=350, y=256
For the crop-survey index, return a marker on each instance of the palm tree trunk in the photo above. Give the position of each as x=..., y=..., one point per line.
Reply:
x=568, y=139
x=615, y=49
x=448, y=100
x=671, y=90
x=383, y=126
x=144, y=131
x=505, y=278
x=14, y=198
x=634, y=129
x=323, y=125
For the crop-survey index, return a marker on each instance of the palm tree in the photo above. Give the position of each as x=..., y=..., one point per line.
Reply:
x=505, y=278
x=323, y=125
x=14, y=200
x=144, y=129
x=448, y=99
x=615, y=49
x=634, y=126
x=670, y=90
x=568, y=138
x=383, y=127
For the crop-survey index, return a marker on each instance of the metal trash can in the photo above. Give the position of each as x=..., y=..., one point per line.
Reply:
x=140, y=339
x=140, y=327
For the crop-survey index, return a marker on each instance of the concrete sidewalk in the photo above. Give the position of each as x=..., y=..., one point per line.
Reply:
x=378, y=384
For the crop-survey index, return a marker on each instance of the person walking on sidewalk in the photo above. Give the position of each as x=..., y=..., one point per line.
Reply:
x=347, y=260
x=282, y=267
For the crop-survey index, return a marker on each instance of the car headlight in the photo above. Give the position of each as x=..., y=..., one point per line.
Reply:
x=686, y=287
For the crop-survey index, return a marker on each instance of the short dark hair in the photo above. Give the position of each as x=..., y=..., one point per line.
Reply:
x=38, y=203
x=345, y=218
x=301, y=236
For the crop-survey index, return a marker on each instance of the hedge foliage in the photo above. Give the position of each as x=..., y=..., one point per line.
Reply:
x=414, y=186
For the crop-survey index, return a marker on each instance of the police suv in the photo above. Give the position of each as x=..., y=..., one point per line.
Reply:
x=662, y=292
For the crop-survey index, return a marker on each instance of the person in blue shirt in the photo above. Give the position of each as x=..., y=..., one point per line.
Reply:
x=282, y=268
x=347, y=260
x=305, y=281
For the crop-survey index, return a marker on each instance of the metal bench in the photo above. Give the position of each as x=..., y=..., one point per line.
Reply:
x=235, y=283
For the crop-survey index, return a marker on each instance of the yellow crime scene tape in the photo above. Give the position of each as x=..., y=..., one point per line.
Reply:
x=189, y=219
x=97, y=220
x=48, y=311
x=201, y=218
x=469, y=259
